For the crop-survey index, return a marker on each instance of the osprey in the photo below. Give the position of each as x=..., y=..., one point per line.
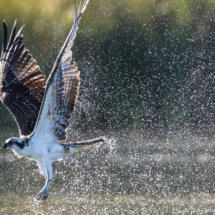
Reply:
x=41, y=108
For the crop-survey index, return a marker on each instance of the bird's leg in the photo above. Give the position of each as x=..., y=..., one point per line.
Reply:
x=43, y=169
x=43, y=195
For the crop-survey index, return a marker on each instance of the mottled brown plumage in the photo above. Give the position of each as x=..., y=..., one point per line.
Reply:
x=63, y=84
x=22, y=84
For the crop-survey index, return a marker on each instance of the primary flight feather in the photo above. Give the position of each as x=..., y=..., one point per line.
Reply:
x=41, y=108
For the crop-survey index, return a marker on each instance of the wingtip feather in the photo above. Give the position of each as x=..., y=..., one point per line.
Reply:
x=20, y=30
x=4, y=42
x=84, y=6
x=12, y=35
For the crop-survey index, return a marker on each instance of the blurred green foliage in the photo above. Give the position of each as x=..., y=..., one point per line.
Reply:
x=143, y=63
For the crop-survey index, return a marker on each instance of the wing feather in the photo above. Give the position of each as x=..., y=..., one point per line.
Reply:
x=4, y=42
x=62, y=89
x=22, y=84
x=12, y=36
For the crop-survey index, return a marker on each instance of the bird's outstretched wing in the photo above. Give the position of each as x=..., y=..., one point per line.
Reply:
x=62, y=89
x=22, y=84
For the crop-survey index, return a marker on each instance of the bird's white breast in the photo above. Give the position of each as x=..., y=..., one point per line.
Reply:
x=46, y=145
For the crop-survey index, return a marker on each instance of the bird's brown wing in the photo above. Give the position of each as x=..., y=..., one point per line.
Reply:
x=22, y=84
x=62, y=90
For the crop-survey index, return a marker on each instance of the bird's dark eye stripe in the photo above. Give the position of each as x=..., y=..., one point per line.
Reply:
x=12, y=142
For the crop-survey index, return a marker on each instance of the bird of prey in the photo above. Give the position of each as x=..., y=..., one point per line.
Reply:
x=41, y=108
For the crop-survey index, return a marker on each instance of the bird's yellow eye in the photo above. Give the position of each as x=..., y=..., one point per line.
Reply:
x=12, y=142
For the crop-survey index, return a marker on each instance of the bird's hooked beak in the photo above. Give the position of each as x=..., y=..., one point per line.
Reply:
x=5, y=146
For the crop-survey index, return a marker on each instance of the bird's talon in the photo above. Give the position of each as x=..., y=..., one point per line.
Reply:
x=42, y=196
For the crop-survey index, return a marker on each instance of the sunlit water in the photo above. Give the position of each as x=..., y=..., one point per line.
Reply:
x=134, y=173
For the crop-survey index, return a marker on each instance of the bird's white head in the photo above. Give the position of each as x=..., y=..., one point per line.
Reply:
x=16, y=143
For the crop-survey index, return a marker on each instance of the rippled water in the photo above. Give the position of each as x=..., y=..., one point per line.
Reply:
x=135, y=173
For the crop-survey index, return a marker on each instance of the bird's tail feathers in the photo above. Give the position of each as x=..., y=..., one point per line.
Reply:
x=85, y=144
